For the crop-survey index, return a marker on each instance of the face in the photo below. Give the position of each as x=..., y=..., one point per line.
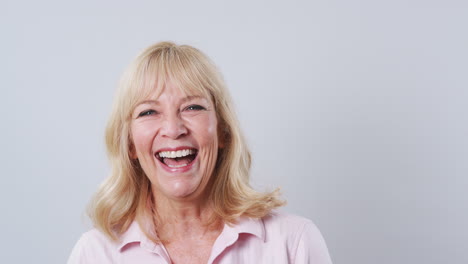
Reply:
x=176, y=142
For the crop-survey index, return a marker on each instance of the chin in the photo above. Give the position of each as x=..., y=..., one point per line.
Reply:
x=180, y=189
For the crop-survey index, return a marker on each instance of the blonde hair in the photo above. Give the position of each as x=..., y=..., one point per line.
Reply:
x=126, y=195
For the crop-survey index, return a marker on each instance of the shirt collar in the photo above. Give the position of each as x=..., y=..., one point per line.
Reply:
x=133, y=234
x=252, y=226
x=247, y=225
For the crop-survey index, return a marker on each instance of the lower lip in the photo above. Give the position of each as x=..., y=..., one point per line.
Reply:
x=179, y=169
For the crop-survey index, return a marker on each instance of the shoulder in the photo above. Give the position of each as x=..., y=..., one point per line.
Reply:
x=287, y=223
x=93, y=245
x=300, y=235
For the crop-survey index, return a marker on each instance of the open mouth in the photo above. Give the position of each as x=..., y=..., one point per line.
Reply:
x=177, y=159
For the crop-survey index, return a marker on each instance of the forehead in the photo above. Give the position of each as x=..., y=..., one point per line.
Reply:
x=173, y=90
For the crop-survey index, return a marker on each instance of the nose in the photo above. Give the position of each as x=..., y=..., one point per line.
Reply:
x=173, y=127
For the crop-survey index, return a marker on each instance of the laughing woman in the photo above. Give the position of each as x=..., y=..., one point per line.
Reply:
x=179, y=187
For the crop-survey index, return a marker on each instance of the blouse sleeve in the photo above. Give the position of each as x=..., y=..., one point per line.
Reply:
x=311, y=248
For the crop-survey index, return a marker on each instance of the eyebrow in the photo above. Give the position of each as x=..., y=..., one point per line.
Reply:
x=186, y=99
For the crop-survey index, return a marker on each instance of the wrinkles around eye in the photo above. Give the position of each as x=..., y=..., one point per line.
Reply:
x=195, y=107
x=146, y=113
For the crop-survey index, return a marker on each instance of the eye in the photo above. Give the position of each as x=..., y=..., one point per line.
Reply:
x=147, y=113
x=195, y=108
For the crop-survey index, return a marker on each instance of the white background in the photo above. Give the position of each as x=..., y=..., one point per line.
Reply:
x=357, y=109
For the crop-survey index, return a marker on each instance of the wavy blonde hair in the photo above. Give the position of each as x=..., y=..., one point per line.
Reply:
x=126, y=195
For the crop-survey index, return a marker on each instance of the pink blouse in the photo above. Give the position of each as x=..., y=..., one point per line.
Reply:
x=279, y=238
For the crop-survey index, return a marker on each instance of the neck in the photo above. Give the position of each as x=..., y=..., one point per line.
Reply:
x=185, y=219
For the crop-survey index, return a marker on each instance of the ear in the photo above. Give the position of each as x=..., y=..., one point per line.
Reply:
x=223, y=136
x=132, y=152
x=221, y=142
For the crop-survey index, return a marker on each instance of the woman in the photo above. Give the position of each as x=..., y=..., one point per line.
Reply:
x=179, y=191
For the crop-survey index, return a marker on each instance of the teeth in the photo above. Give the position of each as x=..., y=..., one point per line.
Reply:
x=176, y=154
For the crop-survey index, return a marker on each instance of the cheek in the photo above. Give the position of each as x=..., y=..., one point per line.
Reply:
x=204, y=128
x=209, y=130
x=142, y=135
x=208, y=139
x=210, y=135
